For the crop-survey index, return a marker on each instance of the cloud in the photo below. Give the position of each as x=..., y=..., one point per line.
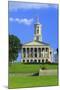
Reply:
x=22, y=21
x=11, y=19
x=19, y=5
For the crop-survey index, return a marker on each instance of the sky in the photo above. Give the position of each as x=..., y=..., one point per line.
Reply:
x=22, y=16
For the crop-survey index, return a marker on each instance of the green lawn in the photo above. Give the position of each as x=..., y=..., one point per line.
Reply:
x=29, y=68
x=18, y=80
x=32, y=81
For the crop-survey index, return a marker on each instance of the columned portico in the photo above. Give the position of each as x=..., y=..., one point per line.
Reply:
x=35, y=54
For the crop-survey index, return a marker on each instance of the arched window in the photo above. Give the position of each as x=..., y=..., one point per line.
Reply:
x=39, y=61
x=37, y=31
x=23, y=61
x=46, y=60
x=42, y=49
x=46, y=49
x=42, y=60
x=24, y=49
x=31, y=60
x=27, y=61
x=35, y=60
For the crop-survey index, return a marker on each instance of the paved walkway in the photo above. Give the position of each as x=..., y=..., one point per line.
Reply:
x=48, y=72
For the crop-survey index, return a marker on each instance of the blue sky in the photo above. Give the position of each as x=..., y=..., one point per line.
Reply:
x=22, y=17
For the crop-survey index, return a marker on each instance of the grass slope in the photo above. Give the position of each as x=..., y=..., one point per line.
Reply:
x=29, y=68
x=20, y=81
x=32, y=81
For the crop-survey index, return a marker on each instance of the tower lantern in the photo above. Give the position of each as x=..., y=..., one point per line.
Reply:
x=37, y=30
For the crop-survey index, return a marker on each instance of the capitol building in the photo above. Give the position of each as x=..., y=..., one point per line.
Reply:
x=36, y=51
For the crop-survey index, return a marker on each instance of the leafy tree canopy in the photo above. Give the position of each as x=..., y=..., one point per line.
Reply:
x=14, y=47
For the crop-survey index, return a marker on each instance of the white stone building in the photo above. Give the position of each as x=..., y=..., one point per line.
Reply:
x=36, y=51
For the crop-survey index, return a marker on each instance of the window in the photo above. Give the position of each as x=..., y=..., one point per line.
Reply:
x=38, y=27
x=42, y=60
x=27, y=61
x=37, y=31
x=31, y=49
x=23, y=49
x=42, y=49
x=27, y=52
x=23, y=61
x=39, y=60
x=46, y=60
x=31, y=60
x=35, y=49
x=39, y=49
x=35, y=60
x=27, y=49
x=50, y=53
x=35, y=54
x=46, y=49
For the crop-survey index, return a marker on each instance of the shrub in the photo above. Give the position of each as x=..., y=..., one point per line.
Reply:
x=36, y=74
x=43, y=68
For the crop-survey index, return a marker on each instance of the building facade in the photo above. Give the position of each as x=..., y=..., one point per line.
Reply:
x=36, y=51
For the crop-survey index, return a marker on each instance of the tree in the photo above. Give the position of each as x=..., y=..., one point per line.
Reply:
x=14, y=47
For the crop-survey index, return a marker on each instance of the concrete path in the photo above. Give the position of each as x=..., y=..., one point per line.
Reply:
x=48, y=72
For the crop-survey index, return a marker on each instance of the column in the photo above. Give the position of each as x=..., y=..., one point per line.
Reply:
x=41, y=52
x=22, y=55
x=29, y=52
x=26, y=52
x=33, y=52
x=50, y=54
x=37, y=53
x=45, y=53
x=22, y=52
